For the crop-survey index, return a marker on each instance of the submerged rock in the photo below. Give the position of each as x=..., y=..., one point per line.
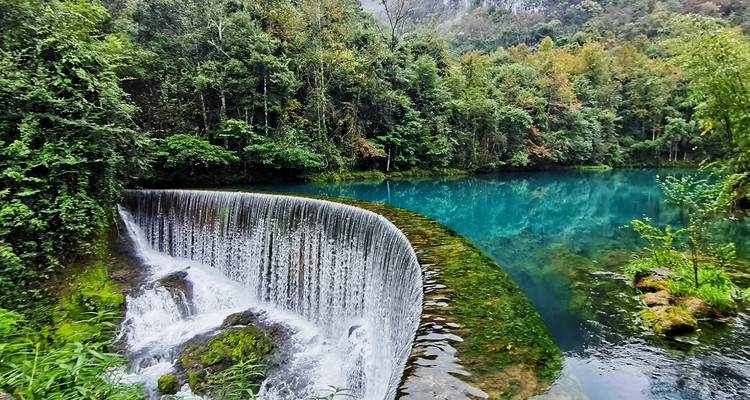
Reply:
x=660, y=298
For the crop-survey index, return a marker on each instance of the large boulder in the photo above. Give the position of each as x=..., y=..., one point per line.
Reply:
x=233, y=347
x=181, y=289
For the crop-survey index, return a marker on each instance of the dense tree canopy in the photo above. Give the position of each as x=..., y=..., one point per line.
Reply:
x=66, y=135
x=179, y=92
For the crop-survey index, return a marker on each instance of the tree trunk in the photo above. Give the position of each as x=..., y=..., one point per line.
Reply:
x=694, y=254
x=265, y=101
x=204, y=113
x=223, y=104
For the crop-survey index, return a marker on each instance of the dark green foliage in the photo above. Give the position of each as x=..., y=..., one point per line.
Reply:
x=66, y=138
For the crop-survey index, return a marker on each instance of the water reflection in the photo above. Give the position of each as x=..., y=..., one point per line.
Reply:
x=558, y=235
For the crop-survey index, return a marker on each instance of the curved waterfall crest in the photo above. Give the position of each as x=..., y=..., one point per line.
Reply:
x=349, y=271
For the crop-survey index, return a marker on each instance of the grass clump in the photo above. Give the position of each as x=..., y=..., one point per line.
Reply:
x=35, y=366
x=716, y=289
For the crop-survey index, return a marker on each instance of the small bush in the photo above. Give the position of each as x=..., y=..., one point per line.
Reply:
x=716, y=287
x=639, y=265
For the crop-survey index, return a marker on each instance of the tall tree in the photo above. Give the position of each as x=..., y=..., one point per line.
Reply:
x=715, y=60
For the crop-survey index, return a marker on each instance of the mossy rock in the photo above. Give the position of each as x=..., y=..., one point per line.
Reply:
x=651, y=283
x=168, y=384
x=196, y=380
x=669, y=320
x=695, y=306
x=660, y=298
x=242, y=318
x=232, y=347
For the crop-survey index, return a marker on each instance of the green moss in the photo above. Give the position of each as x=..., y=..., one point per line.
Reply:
x=230, y=348
x=168, y=384
x=669, y=320
x=86, y=304
x=196, y=380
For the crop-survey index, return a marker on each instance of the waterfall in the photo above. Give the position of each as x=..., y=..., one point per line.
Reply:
x=345, y=279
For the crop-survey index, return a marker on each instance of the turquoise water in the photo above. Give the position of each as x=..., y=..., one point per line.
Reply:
x=559, y=236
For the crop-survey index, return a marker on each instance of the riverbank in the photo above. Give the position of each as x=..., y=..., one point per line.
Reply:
x=376, y=175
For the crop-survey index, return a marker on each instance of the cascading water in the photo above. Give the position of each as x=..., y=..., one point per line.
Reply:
x=344, y=280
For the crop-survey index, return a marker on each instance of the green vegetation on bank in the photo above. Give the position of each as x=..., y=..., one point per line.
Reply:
x=374, y=175
x=65, y=352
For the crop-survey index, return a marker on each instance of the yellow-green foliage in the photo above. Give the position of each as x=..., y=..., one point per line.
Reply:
x=226, y=356
x=716, y=287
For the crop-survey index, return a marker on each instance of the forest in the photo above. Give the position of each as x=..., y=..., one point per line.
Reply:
x=96, y=96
